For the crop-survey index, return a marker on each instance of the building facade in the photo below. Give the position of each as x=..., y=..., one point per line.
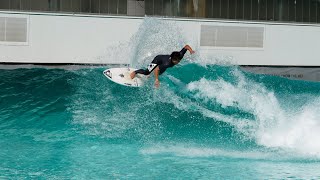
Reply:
x=306, y=11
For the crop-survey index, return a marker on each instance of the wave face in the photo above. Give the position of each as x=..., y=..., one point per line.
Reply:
x=204, y=121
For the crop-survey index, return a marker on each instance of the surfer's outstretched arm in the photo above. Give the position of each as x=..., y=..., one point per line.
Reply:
x=189, y=49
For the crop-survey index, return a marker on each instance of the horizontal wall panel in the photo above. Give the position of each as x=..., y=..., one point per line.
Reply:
x=231, y=36
x=16, y=29
x=13, y=29
x=208, y=35
x=2, y=28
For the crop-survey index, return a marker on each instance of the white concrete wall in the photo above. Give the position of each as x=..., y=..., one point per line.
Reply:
x=67, y=38
x=284, y=45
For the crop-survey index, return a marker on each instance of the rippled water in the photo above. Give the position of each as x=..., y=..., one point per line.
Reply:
x=220, y=123
x=206, y=121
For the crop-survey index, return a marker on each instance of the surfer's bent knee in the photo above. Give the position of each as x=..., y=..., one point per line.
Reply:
x=142, y=71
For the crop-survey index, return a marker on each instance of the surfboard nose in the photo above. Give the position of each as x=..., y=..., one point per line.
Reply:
x=108, y=73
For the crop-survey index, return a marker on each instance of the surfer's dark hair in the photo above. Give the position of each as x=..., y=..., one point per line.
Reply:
x=176, y=56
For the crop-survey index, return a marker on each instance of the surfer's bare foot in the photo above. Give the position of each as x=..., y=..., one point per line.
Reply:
x=132, y=75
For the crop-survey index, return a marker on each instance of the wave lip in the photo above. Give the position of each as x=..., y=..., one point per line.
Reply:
x=299, y=132
x=275, y=124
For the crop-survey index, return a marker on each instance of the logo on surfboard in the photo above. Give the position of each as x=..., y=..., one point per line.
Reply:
x=151, y=66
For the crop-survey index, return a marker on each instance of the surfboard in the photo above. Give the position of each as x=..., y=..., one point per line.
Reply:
x=122, y=76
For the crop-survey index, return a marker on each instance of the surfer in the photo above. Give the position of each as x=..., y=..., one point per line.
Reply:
x=161, y=62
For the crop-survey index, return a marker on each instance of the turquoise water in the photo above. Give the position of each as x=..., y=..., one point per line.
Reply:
x=221, y=123
x=218, y=123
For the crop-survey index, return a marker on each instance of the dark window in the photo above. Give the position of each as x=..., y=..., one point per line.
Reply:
x=25, y=5
x=158, y=7
x=255, y=9
x=85, y=6
x=247, y=9
x=299, y=10
x=262, y=9
x=201, y=9
x=113, y=6
x=122, y=7
x=104, y=6
x=318, y=12
x=54, y=5
x=232, y=9
x=4, y=4
x=313, y=10
x=76, y=5
x=270, y=10
x=216, y=4
x=66, y=6
x=186, y=8
x=175, y=8
x=15, y=4
x=276, y=10
x=209, y=9
x=95, y=6
x=282, y=10
x=167, y=9
x=149, y=7
x=292, y=11
x=239, y=9
x=39, y=5
x=224, y=9
x=306, y=11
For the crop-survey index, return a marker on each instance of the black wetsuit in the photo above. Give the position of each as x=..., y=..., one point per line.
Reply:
x=163, y=61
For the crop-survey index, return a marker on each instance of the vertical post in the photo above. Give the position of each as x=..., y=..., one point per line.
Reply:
x=302, y=11
x=289, y=11
x=153, y=7
x=117, y=6
x=295, y=10
x=243, y=9
x=228, y=9
x=211, y=8
x=171, y=8
x=309, y=11
x=251, y=10
x=220, y=9
x=273, y=9
x=266, y=10
x=258, y=9
x=235, y=9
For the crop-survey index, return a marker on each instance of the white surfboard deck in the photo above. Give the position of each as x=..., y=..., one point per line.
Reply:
x=122, y=76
